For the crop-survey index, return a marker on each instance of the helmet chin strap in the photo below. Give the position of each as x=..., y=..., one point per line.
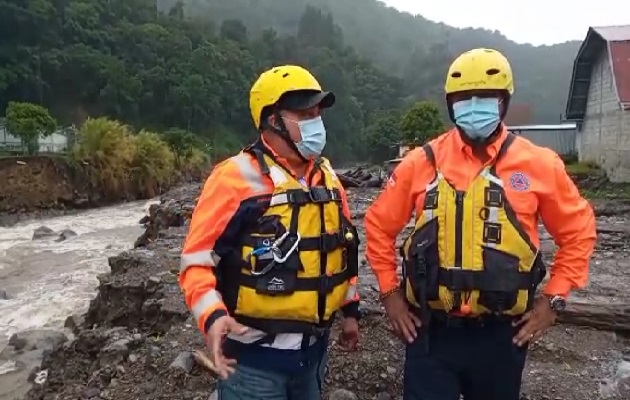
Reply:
x=281, y=130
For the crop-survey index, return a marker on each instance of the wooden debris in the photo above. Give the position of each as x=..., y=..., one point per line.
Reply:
x=204, y=361
x=604, y=316
x=360, y=177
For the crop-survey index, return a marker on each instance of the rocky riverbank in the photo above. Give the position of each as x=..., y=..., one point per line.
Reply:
x=137, y=339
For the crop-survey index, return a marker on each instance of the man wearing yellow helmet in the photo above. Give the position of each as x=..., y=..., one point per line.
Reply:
x=271, y=255
x=467, y=305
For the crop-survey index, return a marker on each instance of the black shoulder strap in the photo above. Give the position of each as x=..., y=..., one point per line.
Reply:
x=504, y=147
x=430, y=154
x=260, y=158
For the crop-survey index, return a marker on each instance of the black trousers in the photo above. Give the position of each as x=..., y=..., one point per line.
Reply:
x=477, y=361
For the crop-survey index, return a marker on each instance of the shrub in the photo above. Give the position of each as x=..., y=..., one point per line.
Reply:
x=196, y=164
x=105, y=149
x=191, y=152
x=153, y=165
x=120, y=164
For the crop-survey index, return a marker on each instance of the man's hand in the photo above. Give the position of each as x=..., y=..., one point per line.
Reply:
x=349, y=335
x=535, y=322
x=404, y=322
x=214, y=340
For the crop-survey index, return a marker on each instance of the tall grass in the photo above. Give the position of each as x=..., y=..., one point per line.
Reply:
x=105, y=149
x=153, y=165
x=120, y=164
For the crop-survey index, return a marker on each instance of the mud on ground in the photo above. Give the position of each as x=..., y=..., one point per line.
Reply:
x=137, y=338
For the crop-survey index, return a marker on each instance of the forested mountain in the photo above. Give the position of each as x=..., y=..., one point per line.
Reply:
x=190, y=66
x=124, y=59
x=411, y=47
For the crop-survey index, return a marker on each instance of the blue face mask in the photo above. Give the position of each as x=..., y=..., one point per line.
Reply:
x=478, y=117
x=313, y=135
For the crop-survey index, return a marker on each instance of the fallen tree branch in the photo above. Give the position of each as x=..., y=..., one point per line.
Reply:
x=610, y=317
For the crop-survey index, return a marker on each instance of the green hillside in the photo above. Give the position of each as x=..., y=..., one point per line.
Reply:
x=410, y=47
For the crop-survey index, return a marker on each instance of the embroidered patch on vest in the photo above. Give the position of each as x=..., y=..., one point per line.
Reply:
x=519, y=181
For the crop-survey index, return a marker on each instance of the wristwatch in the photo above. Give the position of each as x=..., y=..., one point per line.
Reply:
x=557, y=303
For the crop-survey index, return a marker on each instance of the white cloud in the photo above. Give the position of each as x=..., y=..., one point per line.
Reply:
x=529, y=21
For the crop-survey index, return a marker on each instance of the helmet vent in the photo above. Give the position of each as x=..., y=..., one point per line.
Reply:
x=456, y=74
x=492, y=71
x=285, y=75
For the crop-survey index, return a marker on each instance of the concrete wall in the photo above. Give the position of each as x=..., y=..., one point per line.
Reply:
x=55, y=143
x=605, y=133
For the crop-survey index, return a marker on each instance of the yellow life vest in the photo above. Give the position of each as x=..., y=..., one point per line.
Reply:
x=467, y=252
x=298, y=256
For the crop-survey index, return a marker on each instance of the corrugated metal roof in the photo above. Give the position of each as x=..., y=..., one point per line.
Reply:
x=558, y=127
x=620, y=63
x=616, y=33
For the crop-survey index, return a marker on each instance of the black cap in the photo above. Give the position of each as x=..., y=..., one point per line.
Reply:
x=305, y=99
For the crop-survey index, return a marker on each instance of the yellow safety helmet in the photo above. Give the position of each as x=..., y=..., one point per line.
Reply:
x=480, y=69
x=277, y=81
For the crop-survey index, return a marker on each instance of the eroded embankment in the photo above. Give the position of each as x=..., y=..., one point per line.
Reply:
x=137, y=337
x=41, y=186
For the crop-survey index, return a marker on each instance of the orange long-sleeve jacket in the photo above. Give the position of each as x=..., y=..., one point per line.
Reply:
x=227, y=203
x=537, y=185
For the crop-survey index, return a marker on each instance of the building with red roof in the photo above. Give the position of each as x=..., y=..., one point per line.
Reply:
x=599, y=100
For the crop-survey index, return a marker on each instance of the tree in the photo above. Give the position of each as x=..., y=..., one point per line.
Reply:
x=382, y=135
x=234, y=29
x=29, y=122
x=84, y=58
x=421, y=123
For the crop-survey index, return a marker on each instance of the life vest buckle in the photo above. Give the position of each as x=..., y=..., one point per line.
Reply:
x=330, y=242
x=320, y=195
x=325, y=284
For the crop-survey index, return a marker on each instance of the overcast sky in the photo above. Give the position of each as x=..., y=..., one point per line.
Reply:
x=524, y=21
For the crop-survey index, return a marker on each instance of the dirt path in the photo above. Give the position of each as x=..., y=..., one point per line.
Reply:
x=137, y=337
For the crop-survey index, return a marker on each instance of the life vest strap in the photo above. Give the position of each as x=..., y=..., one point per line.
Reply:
x=300, y=197
x=326, y=243
x=276, y=326
x=460, y=280
x=321, y=284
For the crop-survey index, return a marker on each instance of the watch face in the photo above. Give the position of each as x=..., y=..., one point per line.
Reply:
x=558, y=303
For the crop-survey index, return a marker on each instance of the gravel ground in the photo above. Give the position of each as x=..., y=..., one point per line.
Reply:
x=137, y=339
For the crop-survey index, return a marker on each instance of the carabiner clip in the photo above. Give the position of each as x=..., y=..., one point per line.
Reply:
x=264, y=270
x=257, y=252
x=278, y=257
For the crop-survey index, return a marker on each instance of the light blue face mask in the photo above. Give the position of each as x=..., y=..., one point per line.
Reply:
x=478, y=117
x=313, y=134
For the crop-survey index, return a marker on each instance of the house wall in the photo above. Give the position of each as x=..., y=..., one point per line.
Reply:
x=604, y=136
x=55, y=143
x=562, y=142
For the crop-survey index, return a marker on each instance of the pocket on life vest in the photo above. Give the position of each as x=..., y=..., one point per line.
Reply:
x=278, y=282
x=502, y=280
x=424, y=260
